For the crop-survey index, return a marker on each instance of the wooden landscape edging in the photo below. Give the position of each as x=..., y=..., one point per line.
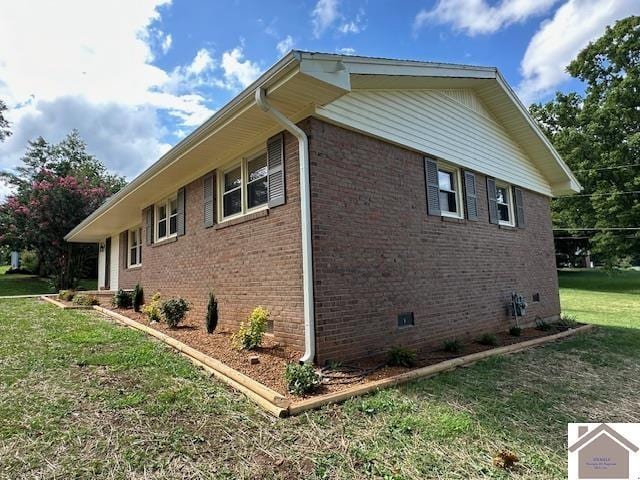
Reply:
x=32, y=295
x=280, y=406
x=308, y=404
x=66, y=307
x=268, y=399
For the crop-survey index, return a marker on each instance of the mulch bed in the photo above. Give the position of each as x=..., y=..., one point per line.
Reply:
x=274, y=357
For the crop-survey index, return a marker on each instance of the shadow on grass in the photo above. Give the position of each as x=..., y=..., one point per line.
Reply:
x=617, y=281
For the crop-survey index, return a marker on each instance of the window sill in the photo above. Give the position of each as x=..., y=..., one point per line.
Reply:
x=245, y=218
x=134, y=267
x=447, y=218
x=507, y=227
x=165, y=241
x=405, y=327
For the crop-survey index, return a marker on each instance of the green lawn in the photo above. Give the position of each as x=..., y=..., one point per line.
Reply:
x=82, y=398
x=31, y=284
x=611, y=299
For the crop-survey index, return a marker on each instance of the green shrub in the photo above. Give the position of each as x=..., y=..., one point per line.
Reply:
x=137, y=297
x=452, y=346
x=85, y=300
x=122, y=299
x=212, y=313
x=173, y=310
x=250, y=334
x=402, y=357
x=66, y=295
x=152, y=310
x=567, y=321
x=515, y=331
x=488, y=339
x=29, y=261
x=542, y=325
x=301, y=378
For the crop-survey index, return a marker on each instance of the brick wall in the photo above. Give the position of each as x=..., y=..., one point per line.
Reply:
x=377, y=253
x=256, y=262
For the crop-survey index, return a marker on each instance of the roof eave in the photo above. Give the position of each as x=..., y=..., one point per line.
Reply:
x=282, y=66
x=572, y=185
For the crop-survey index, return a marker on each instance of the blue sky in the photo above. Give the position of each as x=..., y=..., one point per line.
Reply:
x=135, y=77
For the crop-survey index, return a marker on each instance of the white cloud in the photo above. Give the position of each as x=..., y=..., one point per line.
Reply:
x=560, y=39
x=285, y=45
x=349, y=27
x=83, y=64
x=238, y=72
x=327, y=12
x=323, y=15
x=166, y=43
x=478, y=17
x=201, y=63
x=353, y=26
x=5, y=190
x=346, y=51
x=126, y=138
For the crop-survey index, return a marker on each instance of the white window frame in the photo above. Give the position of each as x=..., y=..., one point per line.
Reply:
x=445, y=167
x=509, y=204
x=243, y=163
x=156, y=218
x=138, y=247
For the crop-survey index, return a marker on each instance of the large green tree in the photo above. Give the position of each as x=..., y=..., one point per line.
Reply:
x=598, y=135
x=68, y=157
x=54, y=189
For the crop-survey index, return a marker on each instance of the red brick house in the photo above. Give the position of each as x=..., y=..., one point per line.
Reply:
x=365, y=202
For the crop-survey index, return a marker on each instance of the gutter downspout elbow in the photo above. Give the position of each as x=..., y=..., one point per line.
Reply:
x=305, y=219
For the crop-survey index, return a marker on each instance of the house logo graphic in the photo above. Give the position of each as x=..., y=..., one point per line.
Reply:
x=604, y=451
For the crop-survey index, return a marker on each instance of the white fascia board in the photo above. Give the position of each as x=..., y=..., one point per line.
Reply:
x=383, y=66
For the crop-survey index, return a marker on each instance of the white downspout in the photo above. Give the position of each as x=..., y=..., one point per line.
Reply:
x=305, y=217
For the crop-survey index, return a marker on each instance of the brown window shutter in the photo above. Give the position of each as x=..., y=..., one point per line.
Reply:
x=275, y=169
x=493, y=204
x=180, y=218
x=518, y=197
x=124, y=248
x=209, y=199
x=471, y=195
x=433, y=187
x=149, y=225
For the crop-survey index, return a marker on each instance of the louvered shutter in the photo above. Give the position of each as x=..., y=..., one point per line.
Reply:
x=491, y=196
x=518, y=196
x=275, y=168
x=124, y=248
x=209, y=199
x=180, y=218
x=433, y=187
x=149, y=225
x=471, y=195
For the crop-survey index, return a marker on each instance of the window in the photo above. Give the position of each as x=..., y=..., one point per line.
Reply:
x=450, y=191
x=244, y=186
x=257, y=181
x=504, y=201
x=406, y=319
x=135, y=247
x=232, y=196
x=167, y=218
